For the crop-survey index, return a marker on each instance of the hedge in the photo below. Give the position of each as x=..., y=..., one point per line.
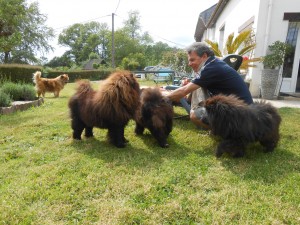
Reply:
x=24, y=73
x=17, y=72
x=80, y=74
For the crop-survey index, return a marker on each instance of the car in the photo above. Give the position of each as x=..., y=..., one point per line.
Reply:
x=147, y=68
x=138, y=75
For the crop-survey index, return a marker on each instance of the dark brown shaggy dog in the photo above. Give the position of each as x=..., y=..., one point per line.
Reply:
x=156, y=114
x=111, y=107
x=239, y=124
x=55, y=85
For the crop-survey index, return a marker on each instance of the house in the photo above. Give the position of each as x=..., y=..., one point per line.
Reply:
x=271, y=20
x=89, y=65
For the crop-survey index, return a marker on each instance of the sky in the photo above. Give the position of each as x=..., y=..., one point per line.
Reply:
x=170, y=21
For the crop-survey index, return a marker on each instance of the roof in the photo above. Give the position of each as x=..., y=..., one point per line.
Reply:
x=89, y=65
x=202, y=21
x=220, y=6
x=208, y=18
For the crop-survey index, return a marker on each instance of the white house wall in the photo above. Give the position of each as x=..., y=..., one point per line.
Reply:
x=237, y=12
x=234, y=15
x=268, y=33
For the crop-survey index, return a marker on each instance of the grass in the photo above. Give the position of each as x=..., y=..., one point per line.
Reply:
x=47, y=178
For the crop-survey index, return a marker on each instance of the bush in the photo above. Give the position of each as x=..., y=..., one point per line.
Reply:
x=277, y=53
x=5, y=99
x=13, y=90
x=28, y=92
x=19, y=92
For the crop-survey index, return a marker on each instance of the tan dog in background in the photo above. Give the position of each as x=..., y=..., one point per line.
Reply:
x=55, y=85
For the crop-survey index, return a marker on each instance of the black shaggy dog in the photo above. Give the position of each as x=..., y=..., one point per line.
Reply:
x=156, y=114
x=239, y=124
x=111, y=107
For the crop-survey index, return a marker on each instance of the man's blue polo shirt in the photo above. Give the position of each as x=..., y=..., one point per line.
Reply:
x=219, y=78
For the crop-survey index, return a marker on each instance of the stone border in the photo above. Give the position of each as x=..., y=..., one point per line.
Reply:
x=21, y=105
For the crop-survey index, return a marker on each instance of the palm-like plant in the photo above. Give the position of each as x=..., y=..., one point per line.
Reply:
x=215, y=47
x=243, y=44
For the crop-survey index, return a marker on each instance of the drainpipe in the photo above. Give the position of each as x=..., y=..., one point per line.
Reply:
x=270, y=4
x=267, y=34
x=279, y=82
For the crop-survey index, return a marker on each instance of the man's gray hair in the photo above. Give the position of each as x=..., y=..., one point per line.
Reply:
x=200, y=48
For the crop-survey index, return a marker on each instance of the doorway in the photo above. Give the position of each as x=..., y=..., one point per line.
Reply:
x=291, y=67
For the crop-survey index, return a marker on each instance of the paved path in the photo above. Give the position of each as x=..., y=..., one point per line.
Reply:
x=291, y=102
x=285, y=103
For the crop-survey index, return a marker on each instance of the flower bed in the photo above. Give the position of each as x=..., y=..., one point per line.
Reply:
x=21, y=105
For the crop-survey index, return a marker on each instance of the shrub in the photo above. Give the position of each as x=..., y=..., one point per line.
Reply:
x=28, y=92
x=19, y=92
x=277, y=53
x=5, y=99
x=13, y=90
x=95, y=65
x=93, y=55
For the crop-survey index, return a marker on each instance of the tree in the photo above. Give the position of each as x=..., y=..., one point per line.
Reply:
x=129, y=41
x=154, y=53
x=132, y=25
x=105, y=37
x=64, y=61
x=93, y=37
x=82, y=39
x=134, y=61
x=10, y=14
x=177, y=60
x=23, y=33
x=125, y=45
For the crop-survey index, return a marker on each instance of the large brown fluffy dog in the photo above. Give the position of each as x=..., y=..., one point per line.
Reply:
x=156, y=114
x=111, y=107
x=239, y=124
x=55, y=85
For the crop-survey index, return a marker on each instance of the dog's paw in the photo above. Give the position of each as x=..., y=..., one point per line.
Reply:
x=76, y=137
x=120, y=145
x=238, y=154
x=266, y=150
x=166, y=145
x=218, y=153
x=269, y=147
x=89, y=135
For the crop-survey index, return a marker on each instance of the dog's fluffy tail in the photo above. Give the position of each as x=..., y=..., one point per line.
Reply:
x=83, y=86
x=36, y=76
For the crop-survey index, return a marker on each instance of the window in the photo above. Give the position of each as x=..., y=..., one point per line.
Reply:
x=291, y=39
x=247, y=25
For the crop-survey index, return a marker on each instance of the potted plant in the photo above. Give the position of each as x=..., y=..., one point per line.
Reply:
x=272, y=63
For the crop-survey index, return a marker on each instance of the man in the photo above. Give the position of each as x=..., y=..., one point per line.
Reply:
x=214, y=76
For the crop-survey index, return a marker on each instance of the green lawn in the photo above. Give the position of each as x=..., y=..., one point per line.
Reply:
x=47, y=178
